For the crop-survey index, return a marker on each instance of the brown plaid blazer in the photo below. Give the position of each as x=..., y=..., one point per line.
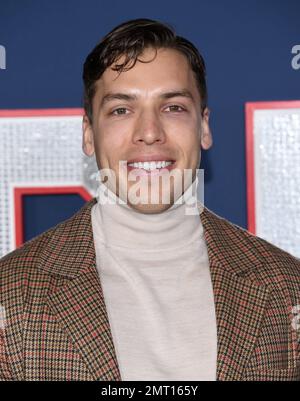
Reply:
x=57, y=327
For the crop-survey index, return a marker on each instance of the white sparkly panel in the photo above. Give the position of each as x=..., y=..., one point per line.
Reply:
x=277, y=177
x=39, y=151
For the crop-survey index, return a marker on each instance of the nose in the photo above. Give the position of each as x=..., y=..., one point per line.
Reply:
x=148, y=128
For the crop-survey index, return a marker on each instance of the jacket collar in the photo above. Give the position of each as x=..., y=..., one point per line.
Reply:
x=68, y=251
x=240, y=300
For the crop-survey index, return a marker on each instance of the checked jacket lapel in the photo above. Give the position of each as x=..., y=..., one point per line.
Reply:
x=240, y=302
x=80, y=307
x=239, y=308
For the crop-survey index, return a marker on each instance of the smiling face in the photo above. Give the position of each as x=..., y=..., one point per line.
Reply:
x=152, y=112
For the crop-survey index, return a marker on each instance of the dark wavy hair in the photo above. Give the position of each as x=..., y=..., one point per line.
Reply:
x=129, y=39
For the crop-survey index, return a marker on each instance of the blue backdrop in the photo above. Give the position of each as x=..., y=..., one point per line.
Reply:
x=246, y=44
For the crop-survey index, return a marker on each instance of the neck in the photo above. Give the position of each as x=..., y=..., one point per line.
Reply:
x=125, y=227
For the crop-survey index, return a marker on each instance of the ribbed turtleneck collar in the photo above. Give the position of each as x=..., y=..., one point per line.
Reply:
x=122, y=226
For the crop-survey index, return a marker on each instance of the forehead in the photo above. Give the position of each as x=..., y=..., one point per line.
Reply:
x=168, y=69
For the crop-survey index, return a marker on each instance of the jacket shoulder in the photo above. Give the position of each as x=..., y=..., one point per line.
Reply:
x=28, y=255
x=237, y=242
x=270, y=252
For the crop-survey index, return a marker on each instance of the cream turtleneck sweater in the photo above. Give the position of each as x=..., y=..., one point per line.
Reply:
x=155, y=276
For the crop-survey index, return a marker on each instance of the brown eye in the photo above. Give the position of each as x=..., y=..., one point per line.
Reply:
x=119, y=108
x=176, y=108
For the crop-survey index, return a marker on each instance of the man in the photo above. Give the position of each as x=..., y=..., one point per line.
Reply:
x=131, y=289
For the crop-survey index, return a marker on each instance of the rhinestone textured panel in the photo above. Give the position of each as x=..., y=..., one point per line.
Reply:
x=39, y=151
x=277, y=177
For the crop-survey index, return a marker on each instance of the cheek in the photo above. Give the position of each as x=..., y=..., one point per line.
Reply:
x=184, y=129
x=112, y=146
x=188, y=142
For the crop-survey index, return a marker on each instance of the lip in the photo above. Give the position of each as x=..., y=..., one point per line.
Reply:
x=141, y=171
x=147, y=158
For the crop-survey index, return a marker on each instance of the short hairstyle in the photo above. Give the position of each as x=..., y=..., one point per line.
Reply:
x=129, y=39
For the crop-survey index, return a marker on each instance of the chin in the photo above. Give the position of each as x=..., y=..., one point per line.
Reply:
x=150, y=208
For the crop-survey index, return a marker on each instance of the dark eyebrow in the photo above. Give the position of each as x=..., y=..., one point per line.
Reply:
x=177, y=93
x=130, y=97
x=120, y=96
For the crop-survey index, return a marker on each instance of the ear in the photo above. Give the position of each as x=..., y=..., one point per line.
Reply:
x=206, y=136
x=87, y=136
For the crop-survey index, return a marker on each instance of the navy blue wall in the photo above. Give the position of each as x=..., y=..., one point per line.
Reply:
x=246, y=45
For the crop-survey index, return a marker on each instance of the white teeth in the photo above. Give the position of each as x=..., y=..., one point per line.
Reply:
x=152, y=165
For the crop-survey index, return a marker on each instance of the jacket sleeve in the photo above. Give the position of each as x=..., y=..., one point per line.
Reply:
x=5, y=372
x=11, y=322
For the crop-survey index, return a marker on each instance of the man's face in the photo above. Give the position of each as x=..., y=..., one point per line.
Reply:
x=152, y=112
